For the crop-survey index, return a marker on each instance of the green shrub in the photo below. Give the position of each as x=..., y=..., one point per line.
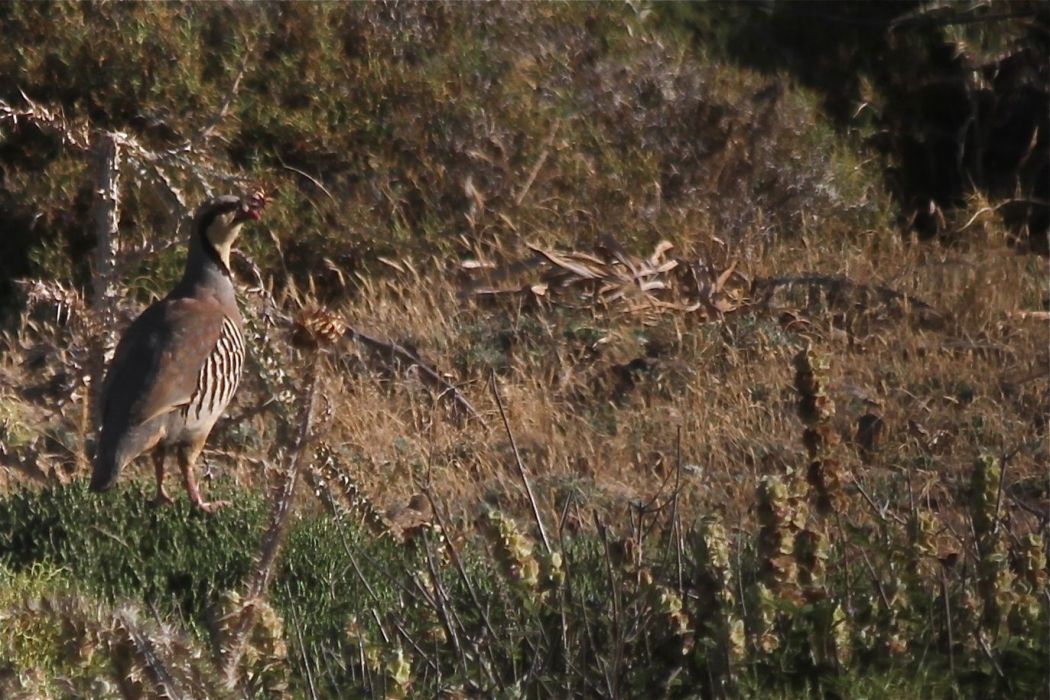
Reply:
x=118, y=546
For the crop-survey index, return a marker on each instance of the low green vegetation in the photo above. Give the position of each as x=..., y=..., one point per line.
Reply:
x=814, y=600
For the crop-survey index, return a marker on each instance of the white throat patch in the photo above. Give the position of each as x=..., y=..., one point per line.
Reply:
x=221, y=234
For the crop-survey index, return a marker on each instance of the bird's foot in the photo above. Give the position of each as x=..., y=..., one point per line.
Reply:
x=211, y=507
x=161, y=499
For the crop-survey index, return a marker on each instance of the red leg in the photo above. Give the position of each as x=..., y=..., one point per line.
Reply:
x=187, y=458
x=162, y=498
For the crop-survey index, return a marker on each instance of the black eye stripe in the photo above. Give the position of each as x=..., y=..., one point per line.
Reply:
x=207, y=220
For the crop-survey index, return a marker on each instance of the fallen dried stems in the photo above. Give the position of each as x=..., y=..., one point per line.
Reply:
x=611, y=278
x=397, y=355
x=841, y=294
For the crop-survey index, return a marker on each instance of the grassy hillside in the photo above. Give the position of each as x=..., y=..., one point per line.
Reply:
x=648, y=386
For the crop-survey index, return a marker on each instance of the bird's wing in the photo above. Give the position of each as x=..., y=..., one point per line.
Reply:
x=157, y=362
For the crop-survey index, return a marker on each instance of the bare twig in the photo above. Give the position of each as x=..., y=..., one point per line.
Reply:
x=441, y=606
x=521, y=467
x=428, y=492
x=316, y=183
x=948, y=620
x=544, y=153
x=612, y=677
x=392, y=352
x=206, y=132
x=881, y=513
x=991, y=656
x=297, y=626
x=1003, y=462
x=875, y=579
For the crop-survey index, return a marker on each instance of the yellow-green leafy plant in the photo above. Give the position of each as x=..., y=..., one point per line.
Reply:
x=994, y=577
x=512, y=550
x=721, y=641
x=781, y=513
x=1029, y=611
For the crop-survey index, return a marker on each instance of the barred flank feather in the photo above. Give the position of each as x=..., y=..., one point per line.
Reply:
x=220, y=374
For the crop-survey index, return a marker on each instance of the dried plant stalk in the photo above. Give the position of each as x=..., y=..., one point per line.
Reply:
x=234, y=643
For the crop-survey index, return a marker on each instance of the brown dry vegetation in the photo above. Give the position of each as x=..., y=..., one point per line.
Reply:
x=589, y=420
x=434, y=167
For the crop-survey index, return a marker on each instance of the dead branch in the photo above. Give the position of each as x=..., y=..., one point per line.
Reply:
x=544, y=153
x=47, y=121
x=393, y=354
x=521, y=466
x=261, y=574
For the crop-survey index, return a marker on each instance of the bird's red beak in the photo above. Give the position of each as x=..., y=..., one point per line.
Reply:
x=251, y=207
x=247, y=213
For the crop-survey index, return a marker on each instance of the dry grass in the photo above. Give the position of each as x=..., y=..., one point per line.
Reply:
x=592, y=424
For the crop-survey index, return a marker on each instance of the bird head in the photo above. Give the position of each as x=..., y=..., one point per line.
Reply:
x=219, y=220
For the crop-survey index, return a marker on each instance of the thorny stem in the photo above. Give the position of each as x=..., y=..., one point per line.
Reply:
x=106, y=214
x=271, y=539
x=948, y=620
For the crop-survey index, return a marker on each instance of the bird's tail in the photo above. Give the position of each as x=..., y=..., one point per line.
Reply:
x=106, y=467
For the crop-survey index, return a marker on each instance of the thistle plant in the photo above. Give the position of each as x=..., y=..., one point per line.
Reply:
x=1031, y=564
x=341, y=494
x=512, y=551
x=781, y=516
x=93, y=650
x=825, y=622
x=720, y=631
x=263, y=667
x=994, y=577
x=824, y=473
x=1028, y=616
